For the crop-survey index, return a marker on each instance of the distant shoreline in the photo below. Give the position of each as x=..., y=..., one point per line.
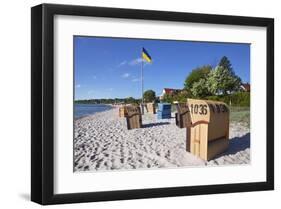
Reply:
x=83, y=110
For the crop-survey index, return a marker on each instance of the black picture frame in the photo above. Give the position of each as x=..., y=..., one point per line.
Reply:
x=42, y=103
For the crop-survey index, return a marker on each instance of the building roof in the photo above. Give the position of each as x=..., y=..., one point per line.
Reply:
x=169, y=90
x=246, y=86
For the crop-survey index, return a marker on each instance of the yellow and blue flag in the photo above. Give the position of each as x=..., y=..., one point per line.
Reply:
x=146, y=56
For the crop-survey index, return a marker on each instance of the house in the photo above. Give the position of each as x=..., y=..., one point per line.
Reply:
x=245, y=87
x=169, y=91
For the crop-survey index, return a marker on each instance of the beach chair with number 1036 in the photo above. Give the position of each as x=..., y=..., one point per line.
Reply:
x=207, y=126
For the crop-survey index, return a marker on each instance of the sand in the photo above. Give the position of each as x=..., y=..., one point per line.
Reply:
x=102, y=142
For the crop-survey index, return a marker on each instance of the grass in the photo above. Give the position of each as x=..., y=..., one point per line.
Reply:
x=240, y=114
x=237, y=114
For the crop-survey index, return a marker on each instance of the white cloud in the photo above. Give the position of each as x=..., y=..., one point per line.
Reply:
x=125, y=75
x=135, y=80
x=78, y=86
x=135, y=61
x=122, y=63
x=91, y=92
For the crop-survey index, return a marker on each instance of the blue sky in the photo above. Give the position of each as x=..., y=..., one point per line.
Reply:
x=111, y=67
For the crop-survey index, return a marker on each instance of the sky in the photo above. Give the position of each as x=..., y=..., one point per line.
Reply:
x=111, y=67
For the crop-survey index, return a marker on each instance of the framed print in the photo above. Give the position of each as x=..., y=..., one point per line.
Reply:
x=130, y=104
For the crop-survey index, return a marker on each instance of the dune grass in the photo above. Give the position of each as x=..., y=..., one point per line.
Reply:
x=240, y=114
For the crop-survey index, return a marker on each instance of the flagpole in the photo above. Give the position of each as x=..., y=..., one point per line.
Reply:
x=142, y=79
x=142, y=107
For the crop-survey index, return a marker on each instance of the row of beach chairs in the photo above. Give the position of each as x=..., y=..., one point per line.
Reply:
x=206, y=123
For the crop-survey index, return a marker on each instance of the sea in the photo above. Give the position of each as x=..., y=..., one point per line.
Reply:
x=82, y=110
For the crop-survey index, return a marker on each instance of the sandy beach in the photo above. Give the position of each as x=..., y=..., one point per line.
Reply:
x=102, y=142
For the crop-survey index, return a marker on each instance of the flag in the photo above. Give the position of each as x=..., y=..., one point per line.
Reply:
x=146, y=56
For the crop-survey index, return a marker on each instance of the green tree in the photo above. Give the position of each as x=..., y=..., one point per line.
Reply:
x=168, y=98
x=200, y=89
x=197, y=74
x=149, y=96
x=130, y=100
x=182, y=96
x=224, y=62
x=221, y=80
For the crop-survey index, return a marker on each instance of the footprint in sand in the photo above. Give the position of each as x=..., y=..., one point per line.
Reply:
x=106, y=154
x=122, y=160
x=168, y=154
x=99, y=163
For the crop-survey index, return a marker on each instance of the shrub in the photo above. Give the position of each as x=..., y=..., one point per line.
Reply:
x=180, y=96
x=241, y=99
